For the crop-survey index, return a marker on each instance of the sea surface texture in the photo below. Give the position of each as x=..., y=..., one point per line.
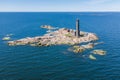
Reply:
x=56, y=62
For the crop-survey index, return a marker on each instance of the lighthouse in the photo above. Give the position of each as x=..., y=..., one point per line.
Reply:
x=77, y=29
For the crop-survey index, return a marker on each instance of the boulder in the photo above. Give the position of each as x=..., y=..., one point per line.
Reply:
x=92, y=57
x=6, y=38
x=47, y=27
x=78, y=49
x=99, y=52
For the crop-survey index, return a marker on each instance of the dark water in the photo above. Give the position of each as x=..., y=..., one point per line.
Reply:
x=56, y=62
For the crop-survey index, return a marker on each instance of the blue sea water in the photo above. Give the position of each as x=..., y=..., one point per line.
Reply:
x=56, y=62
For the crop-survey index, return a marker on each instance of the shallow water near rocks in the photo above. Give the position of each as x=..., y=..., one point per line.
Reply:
x=56, y=62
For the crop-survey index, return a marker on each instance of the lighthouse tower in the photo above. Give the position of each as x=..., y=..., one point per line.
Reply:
x=77, y=29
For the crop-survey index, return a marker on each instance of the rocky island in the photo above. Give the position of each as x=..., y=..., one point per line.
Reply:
x=60, y=36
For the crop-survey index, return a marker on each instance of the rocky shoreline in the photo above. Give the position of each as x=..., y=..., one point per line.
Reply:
x=58, y=37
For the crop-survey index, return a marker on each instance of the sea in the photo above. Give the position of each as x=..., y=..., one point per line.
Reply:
x=57, y=62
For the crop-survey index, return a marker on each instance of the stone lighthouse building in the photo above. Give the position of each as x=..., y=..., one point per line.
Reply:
x=77, y=28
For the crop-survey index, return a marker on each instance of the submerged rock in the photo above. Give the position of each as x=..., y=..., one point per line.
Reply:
x=99, y=52
x=8, y=35
x=92, y=57
x=70, y=49
x=6, y=38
